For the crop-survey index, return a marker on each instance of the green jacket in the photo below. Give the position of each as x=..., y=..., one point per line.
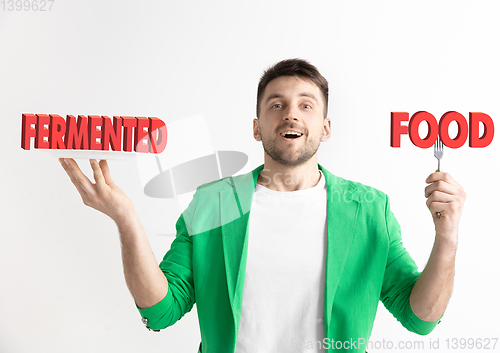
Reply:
x=365, y=262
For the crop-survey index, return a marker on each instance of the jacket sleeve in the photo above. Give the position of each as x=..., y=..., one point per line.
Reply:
x=177, y=268
x=401, y=273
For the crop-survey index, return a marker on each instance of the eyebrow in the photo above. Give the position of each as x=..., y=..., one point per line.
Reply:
x=303, y=94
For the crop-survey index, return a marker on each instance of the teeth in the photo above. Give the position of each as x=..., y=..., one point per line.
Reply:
x=290, y=133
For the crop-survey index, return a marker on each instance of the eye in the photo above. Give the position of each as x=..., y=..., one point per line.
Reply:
x=307, y=106
x=277, y=105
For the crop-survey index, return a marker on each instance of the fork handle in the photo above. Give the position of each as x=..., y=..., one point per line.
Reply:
x=439, y=169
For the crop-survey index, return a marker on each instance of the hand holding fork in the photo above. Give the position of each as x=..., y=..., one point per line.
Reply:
x=445, y=198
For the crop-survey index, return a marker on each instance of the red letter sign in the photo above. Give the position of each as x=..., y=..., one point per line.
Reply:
x=112, y=133
x=489, y=130
x=141, y=135
x=76, y=133
x=53, y=132
x=444, y=124
x=157, y=135
x=57, y=130
x=27, y=131
x=94, y=134
x=129, y=123
x=432, y=133
x=42, y=131
x=397, y=129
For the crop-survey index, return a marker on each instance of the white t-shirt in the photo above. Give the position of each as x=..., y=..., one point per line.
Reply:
x=283, y=297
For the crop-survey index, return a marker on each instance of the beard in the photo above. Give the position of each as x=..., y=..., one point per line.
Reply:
x=286, y=155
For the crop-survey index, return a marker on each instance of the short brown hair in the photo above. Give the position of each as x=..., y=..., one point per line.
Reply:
x=296, y=68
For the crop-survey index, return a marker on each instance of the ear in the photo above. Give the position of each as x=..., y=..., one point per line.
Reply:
x=256, y=130
x=326, y=130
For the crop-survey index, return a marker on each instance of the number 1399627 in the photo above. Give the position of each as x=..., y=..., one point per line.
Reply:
x=471, y=343
x=27, y=5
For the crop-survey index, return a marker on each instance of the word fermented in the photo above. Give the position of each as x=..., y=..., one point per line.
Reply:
x=94, y=133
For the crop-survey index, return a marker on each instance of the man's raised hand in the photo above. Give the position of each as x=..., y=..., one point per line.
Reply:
x=104, y=195
x=146, y=282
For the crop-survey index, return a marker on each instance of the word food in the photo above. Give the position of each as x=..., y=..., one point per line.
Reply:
x=434, y=129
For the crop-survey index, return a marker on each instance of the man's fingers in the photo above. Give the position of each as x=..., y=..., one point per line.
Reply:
x=443, y=182
x=79, y=177
x=69, y=171
x=441, y=197
x=105, y=171
x=441, y=176
x=98, y=176
x=441, y=186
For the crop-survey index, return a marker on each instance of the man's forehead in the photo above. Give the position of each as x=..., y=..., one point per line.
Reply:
x=285, y=85
x=302, y=94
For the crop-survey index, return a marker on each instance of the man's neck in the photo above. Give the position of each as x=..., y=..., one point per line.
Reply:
x=278, y=177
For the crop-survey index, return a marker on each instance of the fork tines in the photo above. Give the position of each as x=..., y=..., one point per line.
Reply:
x=438, y=152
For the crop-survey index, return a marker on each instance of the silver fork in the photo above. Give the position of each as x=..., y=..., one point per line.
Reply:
x=438, y=153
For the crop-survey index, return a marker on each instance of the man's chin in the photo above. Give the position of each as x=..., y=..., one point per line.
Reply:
x=290, y=161
x=289, y=158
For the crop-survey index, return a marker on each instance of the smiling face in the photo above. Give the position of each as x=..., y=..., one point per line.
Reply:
x=291, y=124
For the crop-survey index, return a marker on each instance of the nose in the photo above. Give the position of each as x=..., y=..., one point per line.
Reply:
x=291, y=114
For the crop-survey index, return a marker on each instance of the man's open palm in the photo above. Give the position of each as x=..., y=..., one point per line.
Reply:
x=104, y=195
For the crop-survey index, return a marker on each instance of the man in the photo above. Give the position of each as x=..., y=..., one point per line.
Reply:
x=289, y=257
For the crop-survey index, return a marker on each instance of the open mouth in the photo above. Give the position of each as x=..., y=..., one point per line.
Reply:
x=291, y=135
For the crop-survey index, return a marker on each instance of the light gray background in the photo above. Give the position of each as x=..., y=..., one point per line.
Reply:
x=61, y=281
